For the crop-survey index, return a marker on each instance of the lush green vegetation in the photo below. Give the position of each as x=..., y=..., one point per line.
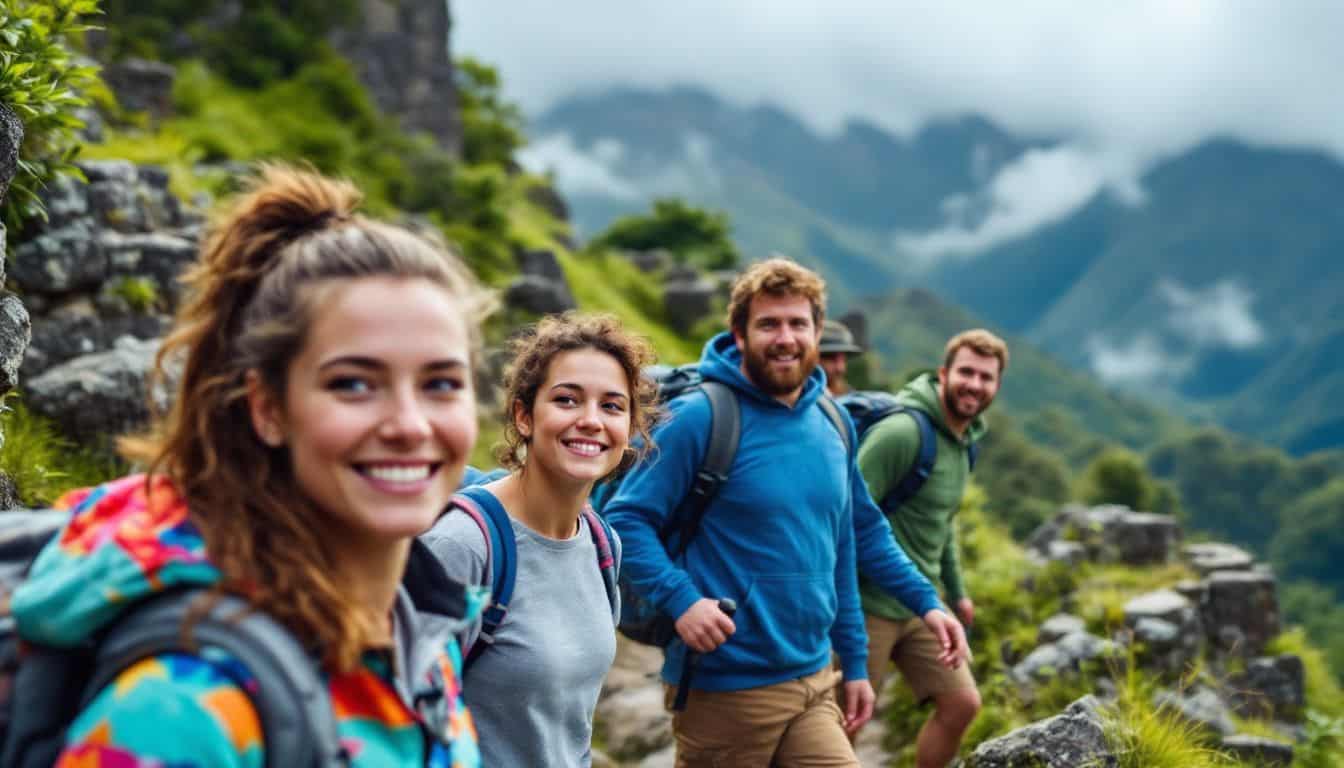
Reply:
x=692, y=235
x=1055, y=436
x=43, y=84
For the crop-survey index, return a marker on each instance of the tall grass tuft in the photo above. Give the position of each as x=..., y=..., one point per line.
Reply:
x=41, y=462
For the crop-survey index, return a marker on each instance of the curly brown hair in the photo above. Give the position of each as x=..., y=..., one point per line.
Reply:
x=533, y=352
x=776, y=276
x=251, y=298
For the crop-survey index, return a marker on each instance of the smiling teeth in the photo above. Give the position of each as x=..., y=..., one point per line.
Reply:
x=400, y=474
x=587, y=449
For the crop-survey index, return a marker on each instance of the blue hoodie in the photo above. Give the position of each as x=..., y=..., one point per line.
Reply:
x=779, y=538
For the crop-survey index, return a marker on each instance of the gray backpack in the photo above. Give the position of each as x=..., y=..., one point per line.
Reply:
x=43, y=689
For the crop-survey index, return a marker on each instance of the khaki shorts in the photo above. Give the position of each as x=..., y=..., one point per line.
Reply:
x=794, y=724
x=915, y=650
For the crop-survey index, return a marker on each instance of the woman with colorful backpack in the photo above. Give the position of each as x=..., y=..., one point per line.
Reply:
x=322, y=414
x=574, y=397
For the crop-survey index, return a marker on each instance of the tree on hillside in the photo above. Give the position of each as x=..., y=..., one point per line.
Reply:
x=693, y=235
x=492, y=128
x=1025, y=483
x=1118, y=476
x=1308, y=544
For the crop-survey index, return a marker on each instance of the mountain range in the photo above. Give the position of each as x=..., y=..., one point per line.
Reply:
x=1207, y=283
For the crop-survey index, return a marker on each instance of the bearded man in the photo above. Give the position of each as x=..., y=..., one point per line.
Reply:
x=953, y=402
x=782, y=537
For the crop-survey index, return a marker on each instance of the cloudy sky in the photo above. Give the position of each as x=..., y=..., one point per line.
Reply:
x=1132, y=80
x=1122, y=85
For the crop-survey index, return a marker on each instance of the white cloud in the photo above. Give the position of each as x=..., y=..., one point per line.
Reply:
x=605, y=169
x=1218, y=315
x=577, y=171
x=1143, y=79
x=1041, y=186
x=1142, y=360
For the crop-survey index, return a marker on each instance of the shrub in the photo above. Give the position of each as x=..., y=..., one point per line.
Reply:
x=43, y=85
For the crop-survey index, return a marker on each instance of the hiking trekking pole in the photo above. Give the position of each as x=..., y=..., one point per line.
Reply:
x=728, y=606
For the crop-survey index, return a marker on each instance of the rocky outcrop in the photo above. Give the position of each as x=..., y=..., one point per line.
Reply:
x=1076, y=737
x=541, y=288
x=106, y=263
x=1107, y=534
x=96, y=397
x=142, y=85
x=11, y=138
x=400, y=49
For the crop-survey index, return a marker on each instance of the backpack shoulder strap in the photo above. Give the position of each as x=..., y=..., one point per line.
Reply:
x=833, y=410
x=291, y=697
x=925, y=459
x=501, y=561
x=725, y=431
x=606, y=555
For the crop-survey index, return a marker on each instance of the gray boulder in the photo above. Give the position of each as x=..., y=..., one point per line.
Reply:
x=649, y=261
x=95, y=397
x=1143, y=538
x=60, y=261
x=1074, y=738
x=160, y=257
x=538, y=295
x=1209, y=557
x=1258, y=751
x=1200, y=707
x=141, y=85
x=1241, y=611
x=1058, y=626
x=686, y=302
x=77, y=328
x=11, y=138
x=1065, y=656
x=1271, y=688
x=15, y=330
x=1169, y=627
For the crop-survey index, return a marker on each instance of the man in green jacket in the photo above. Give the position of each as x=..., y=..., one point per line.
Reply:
x=965, y=386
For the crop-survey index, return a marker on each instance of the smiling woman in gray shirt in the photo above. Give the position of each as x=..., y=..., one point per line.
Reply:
x=576, y=397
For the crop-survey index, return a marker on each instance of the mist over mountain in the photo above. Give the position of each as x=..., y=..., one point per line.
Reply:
x=1209, y=281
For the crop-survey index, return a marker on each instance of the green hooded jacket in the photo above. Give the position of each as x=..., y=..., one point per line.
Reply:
x=923, y=526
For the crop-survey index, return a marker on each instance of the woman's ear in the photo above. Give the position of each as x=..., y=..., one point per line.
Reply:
x=264, y=408
x=522, y=420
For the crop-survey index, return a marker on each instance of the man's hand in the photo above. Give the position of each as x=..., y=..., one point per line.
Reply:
x=859, y=700
x=966, y=611
x=950, y=636
x=703, y=627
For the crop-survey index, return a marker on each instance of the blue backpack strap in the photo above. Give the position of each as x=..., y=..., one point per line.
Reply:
x=606, y=555
x=919, y=472
x=972, y=451
x=501, y=560
x=838, y=419
x=725, y=431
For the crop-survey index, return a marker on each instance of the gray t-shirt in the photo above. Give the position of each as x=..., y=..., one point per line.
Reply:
x=532, y=693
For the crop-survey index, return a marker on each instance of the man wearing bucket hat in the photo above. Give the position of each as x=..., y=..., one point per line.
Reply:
x=837, y=344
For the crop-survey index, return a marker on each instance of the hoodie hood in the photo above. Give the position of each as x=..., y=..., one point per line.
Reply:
x=124, y=541
x=722, y=361
x=922, y=393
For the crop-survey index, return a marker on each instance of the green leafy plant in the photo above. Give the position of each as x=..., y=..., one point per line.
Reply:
x=43, y=84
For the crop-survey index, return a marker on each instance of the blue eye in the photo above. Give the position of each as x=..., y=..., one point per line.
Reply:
x=350, y=384
x=446, y=384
